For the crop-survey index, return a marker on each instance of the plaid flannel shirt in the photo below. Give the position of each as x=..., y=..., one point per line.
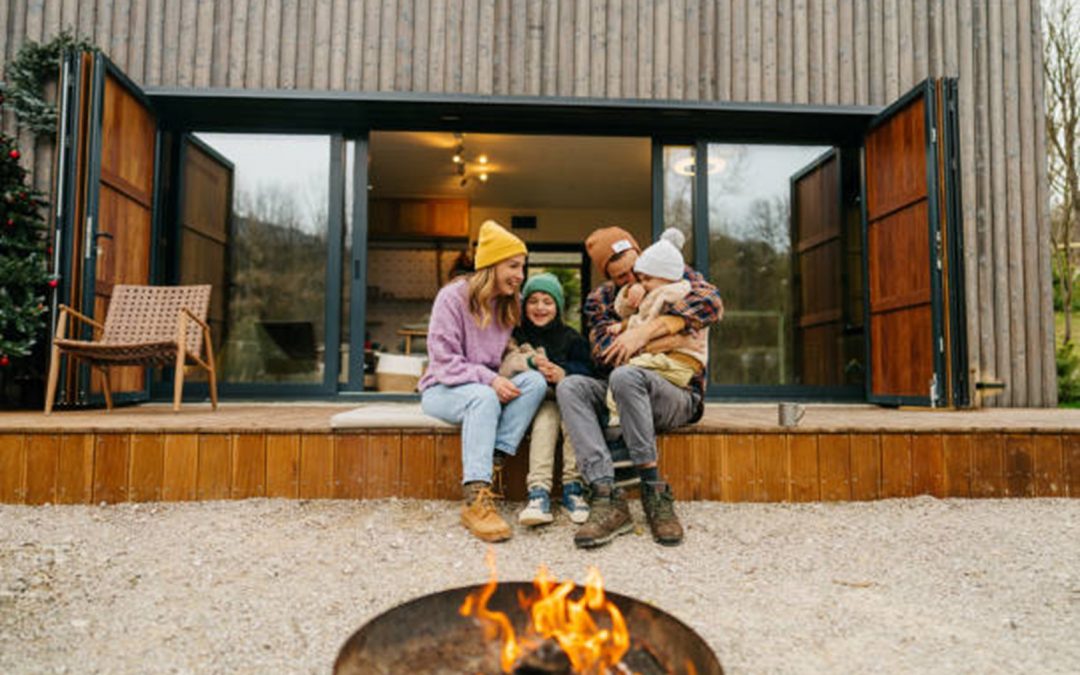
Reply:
x=701, y=307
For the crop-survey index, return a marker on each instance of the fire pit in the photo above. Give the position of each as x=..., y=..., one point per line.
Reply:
x=438, y=633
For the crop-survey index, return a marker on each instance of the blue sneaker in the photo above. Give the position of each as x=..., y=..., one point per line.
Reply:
x=538, y=510
x=573, y=500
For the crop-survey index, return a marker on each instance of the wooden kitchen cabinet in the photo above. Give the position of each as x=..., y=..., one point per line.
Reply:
x=418, y=218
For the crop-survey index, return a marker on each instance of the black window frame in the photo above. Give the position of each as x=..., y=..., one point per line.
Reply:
x=353, y=116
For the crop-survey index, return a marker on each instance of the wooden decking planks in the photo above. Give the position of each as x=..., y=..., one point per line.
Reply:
x=111, y=466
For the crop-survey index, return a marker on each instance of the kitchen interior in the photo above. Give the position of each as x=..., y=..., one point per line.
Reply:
x=428, y=193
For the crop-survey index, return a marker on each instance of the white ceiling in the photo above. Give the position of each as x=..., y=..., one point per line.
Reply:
x=525, y=171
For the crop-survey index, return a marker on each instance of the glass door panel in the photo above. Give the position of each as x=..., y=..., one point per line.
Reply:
x=277, y=258
x=753, y=262
x=572, y=270
x=678, y=193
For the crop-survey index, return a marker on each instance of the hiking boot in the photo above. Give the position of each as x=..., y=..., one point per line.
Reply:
x=609, y=516
x=573, y=500
x=538, y=510
x=659, y=504
x=479, y=514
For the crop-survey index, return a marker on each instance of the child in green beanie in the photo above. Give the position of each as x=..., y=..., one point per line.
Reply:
x=546, y=344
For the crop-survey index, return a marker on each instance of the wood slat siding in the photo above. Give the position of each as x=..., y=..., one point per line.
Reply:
x=822, y=51
x=111, y=467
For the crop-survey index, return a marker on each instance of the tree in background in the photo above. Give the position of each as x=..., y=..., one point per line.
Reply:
x=1061, y=64
x=24, y=276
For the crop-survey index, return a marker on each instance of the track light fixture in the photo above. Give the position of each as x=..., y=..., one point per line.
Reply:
x=461, y=161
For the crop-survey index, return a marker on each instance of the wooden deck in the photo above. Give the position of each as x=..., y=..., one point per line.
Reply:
x=736, y=453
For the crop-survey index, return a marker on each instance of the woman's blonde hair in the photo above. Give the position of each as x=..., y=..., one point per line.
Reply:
x=481, y=286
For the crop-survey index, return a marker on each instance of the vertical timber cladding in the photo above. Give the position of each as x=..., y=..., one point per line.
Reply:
x=900, y=283
x=821, y=52
x=124, y=206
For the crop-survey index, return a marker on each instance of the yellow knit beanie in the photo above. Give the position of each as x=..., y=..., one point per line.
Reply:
x=496, y=244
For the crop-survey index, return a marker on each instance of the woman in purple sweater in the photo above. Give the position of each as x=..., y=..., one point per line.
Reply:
x=470, y=326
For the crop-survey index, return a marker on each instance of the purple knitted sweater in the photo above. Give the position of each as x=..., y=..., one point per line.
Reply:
x=459, y=351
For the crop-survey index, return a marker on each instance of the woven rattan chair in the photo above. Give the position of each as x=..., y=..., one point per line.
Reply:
x=145, y=326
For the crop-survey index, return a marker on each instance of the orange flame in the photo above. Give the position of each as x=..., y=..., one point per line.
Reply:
x=496, y=624
x=553, y=615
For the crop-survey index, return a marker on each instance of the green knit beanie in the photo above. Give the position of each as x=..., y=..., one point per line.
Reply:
x=544, y=283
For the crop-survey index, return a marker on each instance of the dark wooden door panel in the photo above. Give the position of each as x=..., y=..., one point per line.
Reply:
x=903, y=277
x=896, y=161
x=822, y=294
x=820, y=347
x=902, y=358
x=119, y=169
x=818, y=242
x=71, y=201
x=204, y=230
x=901, y=270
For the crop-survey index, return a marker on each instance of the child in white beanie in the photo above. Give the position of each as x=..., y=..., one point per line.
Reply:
x=659, y=269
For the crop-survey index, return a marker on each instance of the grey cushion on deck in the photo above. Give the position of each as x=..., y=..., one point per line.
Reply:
x=387, y=415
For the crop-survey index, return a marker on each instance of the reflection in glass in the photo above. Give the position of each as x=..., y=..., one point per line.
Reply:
x=679, y=193
x=277, y=257
x=778, y=267
x=566, y=266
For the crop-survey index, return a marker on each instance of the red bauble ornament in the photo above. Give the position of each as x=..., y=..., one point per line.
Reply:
x=53, y=283
x=14, y=154
x=10, y=222
x=5, y=361
x=48, y=250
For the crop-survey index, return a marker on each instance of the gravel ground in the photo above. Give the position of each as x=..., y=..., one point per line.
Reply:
x=261, y=586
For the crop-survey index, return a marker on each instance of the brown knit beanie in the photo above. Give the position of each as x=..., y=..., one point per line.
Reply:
x=607, y=242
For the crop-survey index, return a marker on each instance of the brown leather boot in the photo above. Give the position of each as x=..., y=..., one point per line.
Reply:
x=659, y=504
x=479, y=514
x=609, y=516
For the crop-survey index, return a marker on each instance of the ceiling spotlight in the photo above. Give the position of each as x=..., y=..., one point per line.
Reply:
x=483, y=177
x=456, y=158
x=482, y=159
x=686, y=166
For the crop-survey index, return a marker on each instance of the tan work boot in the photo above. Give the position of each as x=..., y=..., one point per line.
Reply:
x=479, y=514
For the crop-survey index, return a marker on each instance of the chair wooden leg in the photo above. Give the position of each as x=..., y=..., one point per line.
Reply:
x=181, y=357
x=212, y=369
x=54, y=362
x=54, y=375
x=107, y=387
x=178, y=380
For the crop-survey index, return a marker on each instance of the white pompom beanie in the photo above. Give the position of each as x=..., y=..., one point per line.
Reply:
x=663, y=259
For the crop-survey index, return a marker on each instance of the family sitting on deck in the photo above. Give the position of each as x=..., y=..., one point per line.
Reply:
x=500, y=362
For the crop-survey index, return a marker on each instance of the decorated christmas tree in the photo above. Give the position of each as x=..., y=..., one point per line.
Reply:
x=25, y=280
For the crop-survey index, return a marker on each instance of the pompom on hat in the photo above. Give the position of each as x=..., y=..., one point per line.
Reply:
x=664, y=259
x=606, y=243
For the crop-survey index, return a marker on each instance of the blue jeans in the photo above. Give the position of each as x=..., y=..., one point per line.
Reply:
x=486, y=424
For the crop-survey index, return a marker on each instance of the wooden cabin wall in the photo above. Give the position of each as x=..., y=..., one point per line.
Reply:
x=799, y=51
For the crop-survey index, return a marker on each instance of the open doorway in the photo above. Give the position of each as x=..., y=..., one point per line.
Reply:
x=428, y=193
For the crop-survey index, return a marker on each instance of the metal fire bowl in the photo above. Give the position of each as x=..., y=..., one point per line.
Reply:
x=427, y=635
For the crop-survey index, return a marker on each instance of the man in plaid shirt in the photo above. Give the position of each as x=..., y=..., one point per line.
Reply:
x=647, y=402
